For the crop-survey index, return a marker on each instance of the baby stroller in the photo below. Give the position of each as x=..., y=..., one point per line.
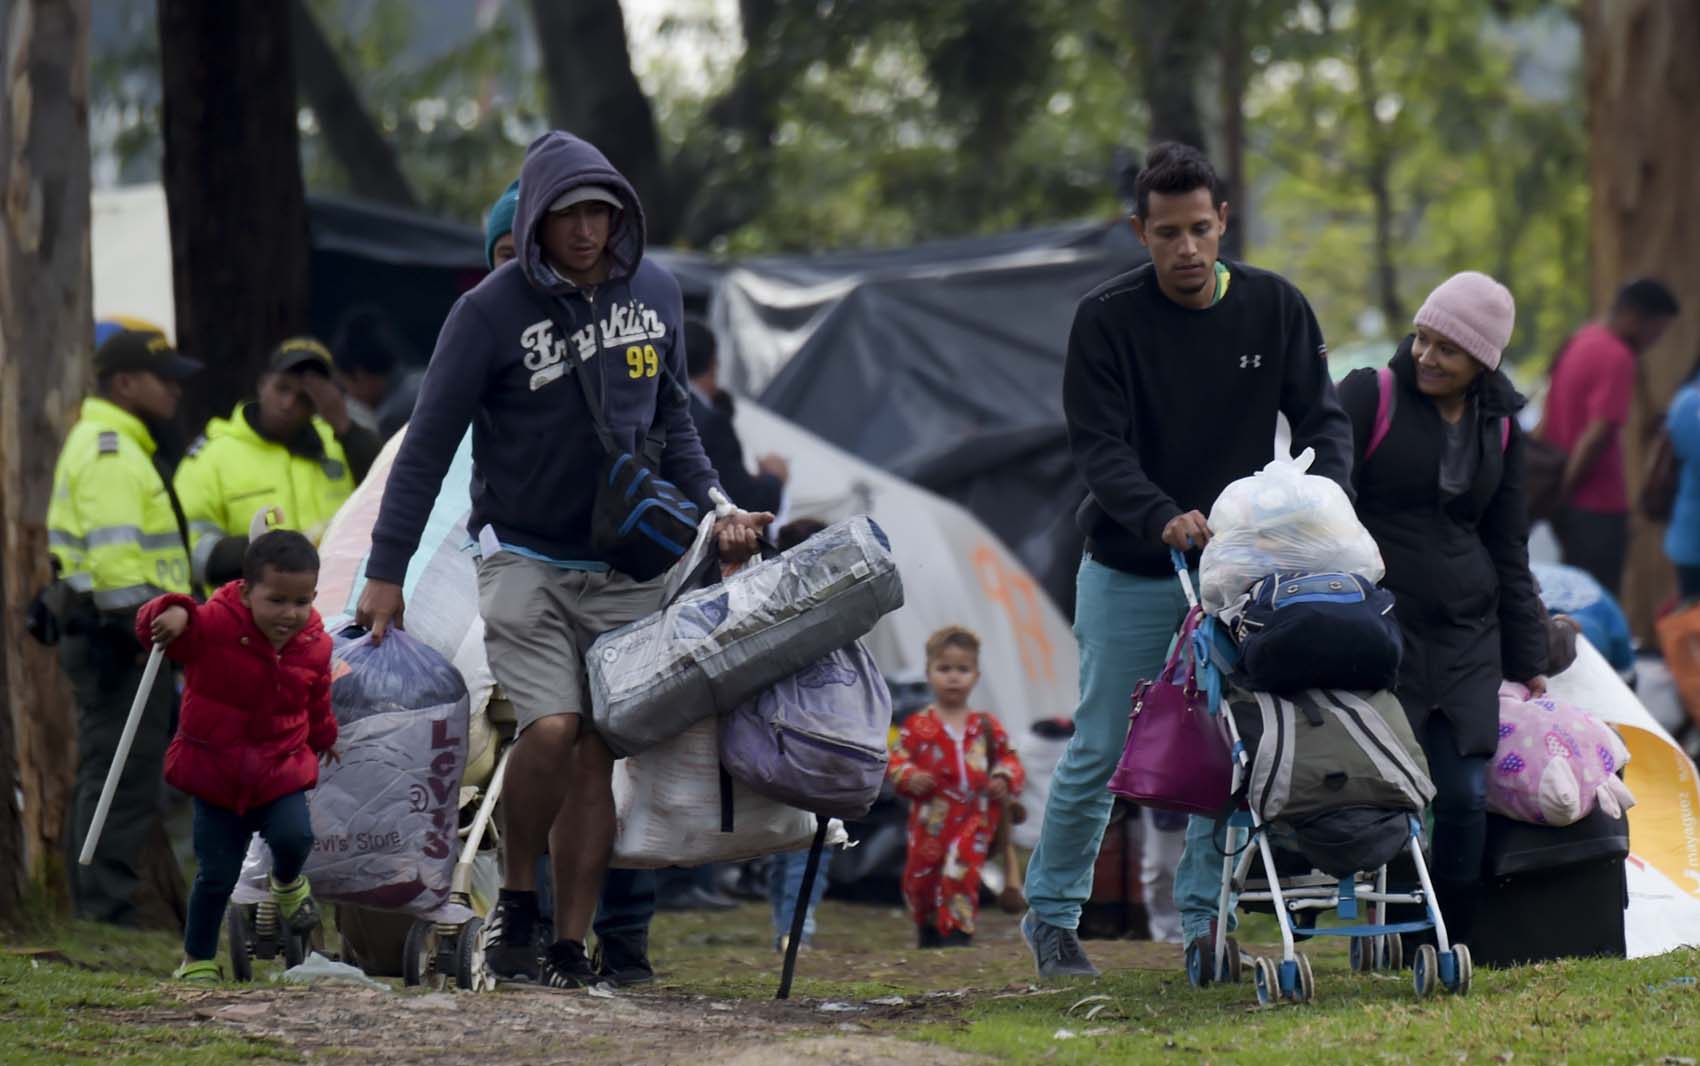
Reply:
x=444, y=955
x=1298, y=893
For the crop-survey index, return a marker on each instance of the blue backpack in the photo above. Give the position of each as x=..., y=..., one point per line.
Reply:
x=1329, y=631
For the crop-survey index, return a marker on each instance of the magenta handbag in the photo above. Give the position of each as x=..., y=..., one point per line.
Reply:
x=1176, y=757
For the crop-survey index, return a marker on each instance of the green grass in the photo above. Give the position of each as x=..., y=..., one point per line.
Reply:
x=73, y=991
x=91, y=993
x=59, y=1013
x=1582, y=1011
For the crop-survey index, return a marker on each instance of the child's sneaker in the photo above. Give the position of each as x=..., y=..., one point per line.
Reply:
x=295, y=905
x=198, y=971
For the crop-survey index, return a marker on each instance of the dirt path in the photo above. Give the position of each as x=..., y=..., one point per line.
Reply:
x=857, y=993
x=516, y=1026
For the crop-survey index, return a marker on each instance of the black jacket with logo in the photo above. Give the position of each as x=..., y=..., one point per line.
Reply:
x=1167, y=405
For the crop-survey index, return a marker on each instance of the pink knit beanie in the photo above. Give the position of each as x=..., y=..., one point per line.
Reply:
x=1474, y=312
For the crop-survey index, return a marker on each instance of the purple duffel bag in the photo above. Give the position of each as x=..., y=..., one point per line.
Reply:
x=815, y=740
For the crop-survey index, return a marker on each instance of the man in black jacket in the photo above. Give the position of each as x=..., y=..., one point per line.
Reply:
x=1175, y=374
x=711, y=410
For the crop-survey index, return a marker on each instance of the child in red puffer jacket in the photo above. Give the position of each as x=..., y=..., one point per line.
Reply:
x=255, y=722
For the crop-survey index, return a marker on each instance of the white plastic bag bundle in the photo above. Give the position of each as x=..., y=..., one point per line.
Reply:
x=667, y=807
x=1282, y=520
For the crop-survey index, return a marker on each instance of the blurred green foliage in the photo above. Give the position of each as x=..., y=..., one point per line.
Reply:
x=894, y=122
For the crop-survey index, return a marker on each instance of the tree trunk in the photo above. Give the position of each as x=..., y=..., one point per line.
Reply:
x=355, y=140
x=233, y=187
x=1172, y=42
x=1232, y=58
x=1643, y=88
x=593, y=92
x=717, y=190
x=45, y=339
x=1379, y=177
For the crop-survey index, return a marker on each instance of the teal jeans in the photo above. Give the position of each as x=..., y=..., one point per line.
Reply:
x=1124, y=626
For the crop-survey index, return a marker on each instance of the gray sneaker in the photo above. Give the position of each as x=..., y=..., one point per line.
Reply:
x=1056, y=951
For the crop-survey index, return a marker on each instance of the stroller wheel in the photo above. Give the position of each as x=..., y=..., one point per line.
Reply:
x=240, y=935
x=1199, y=964
x=1265, y=981
x=1391, y=952
x=1425, y=970
x=296, y=947
x=1363, y=954
x=1231, y=966
x=470, y=972
x=419, y=955
x=1305, y=988
x=1462, y=970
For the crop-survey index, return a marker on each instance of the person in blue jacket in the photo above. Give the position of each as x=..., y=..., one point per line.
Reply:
x=1682, y=539
x=1571, y=593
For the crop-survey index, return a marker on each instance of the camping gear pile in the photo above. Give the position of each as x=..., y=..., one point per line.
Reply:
x=1278, y=695
x=385, y=817
x=675, y=804
x=803, y=710
x=1275, y=715
x=773, y=648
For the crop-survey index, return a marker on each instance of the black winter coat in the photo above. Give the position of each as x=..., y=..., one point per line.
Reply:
x=1458, y=566
x=752, y=492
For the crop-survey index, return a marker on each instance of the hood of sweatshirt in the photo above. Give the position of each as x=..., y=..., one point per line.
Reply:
x=555, y=163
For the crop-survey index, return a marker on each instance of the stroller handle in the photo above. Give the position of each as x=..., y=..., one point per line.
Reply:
x=1186, y=579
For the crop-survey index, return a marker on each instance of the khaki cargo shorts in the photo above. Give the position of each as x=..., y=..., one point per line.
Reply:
x=540, y=620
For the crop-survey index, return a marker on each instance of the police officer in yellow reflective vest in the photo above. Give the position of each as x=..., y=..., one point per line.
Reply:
x=116, y=543
x=294, y=448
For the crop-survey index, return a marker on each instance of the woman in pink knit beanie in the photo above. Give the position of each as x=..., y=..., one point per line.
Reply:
x=1440, y=486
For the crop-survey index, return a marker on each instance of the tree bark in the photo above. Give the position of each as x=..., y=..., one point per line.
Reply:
x=1232, y=58
x=355, y=140
x=593, y=93
x=1378, y=175
x=233, y=187
x=1172, y=41
x=724, y=172
x=1643, y=87
x=45, y=342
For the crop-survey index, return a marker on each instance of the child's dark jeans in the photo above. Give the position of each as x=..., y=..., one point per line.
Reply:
x=221, y=842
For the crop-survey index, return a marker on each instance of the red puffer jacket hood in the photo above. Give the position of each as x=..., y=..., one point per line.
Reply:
x=254, y=719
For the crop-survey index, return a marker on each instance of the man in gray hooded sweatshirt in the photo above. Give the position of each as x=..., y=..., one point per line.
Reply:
x=544, y=593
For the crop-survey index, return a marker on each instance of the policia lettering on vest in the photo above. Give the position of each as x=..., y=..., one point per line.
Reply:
x=116, y=543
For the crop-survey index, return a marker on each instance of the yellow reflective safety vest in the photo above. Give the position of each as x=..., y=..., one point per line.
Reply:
x=233, y=472
x=110, y=522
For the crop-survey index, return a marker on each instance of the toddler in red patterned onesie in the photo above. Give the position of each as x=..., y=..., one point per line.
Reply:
x=957, y=768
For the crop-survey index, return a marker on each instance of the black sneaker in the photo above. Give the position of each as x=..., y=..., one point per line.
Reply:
x=623, y=958
x=927, y=936
x=510, y=946
x=565, y=966
x=956, y=938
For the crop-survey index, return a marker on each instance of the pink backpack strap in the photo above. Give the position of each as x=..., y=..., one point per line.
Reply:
x=1383, y=411
x=1384, y=416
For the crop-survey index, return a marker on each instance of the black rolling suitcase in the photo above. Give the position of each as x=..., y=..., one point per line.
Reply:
x=1552, y=893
